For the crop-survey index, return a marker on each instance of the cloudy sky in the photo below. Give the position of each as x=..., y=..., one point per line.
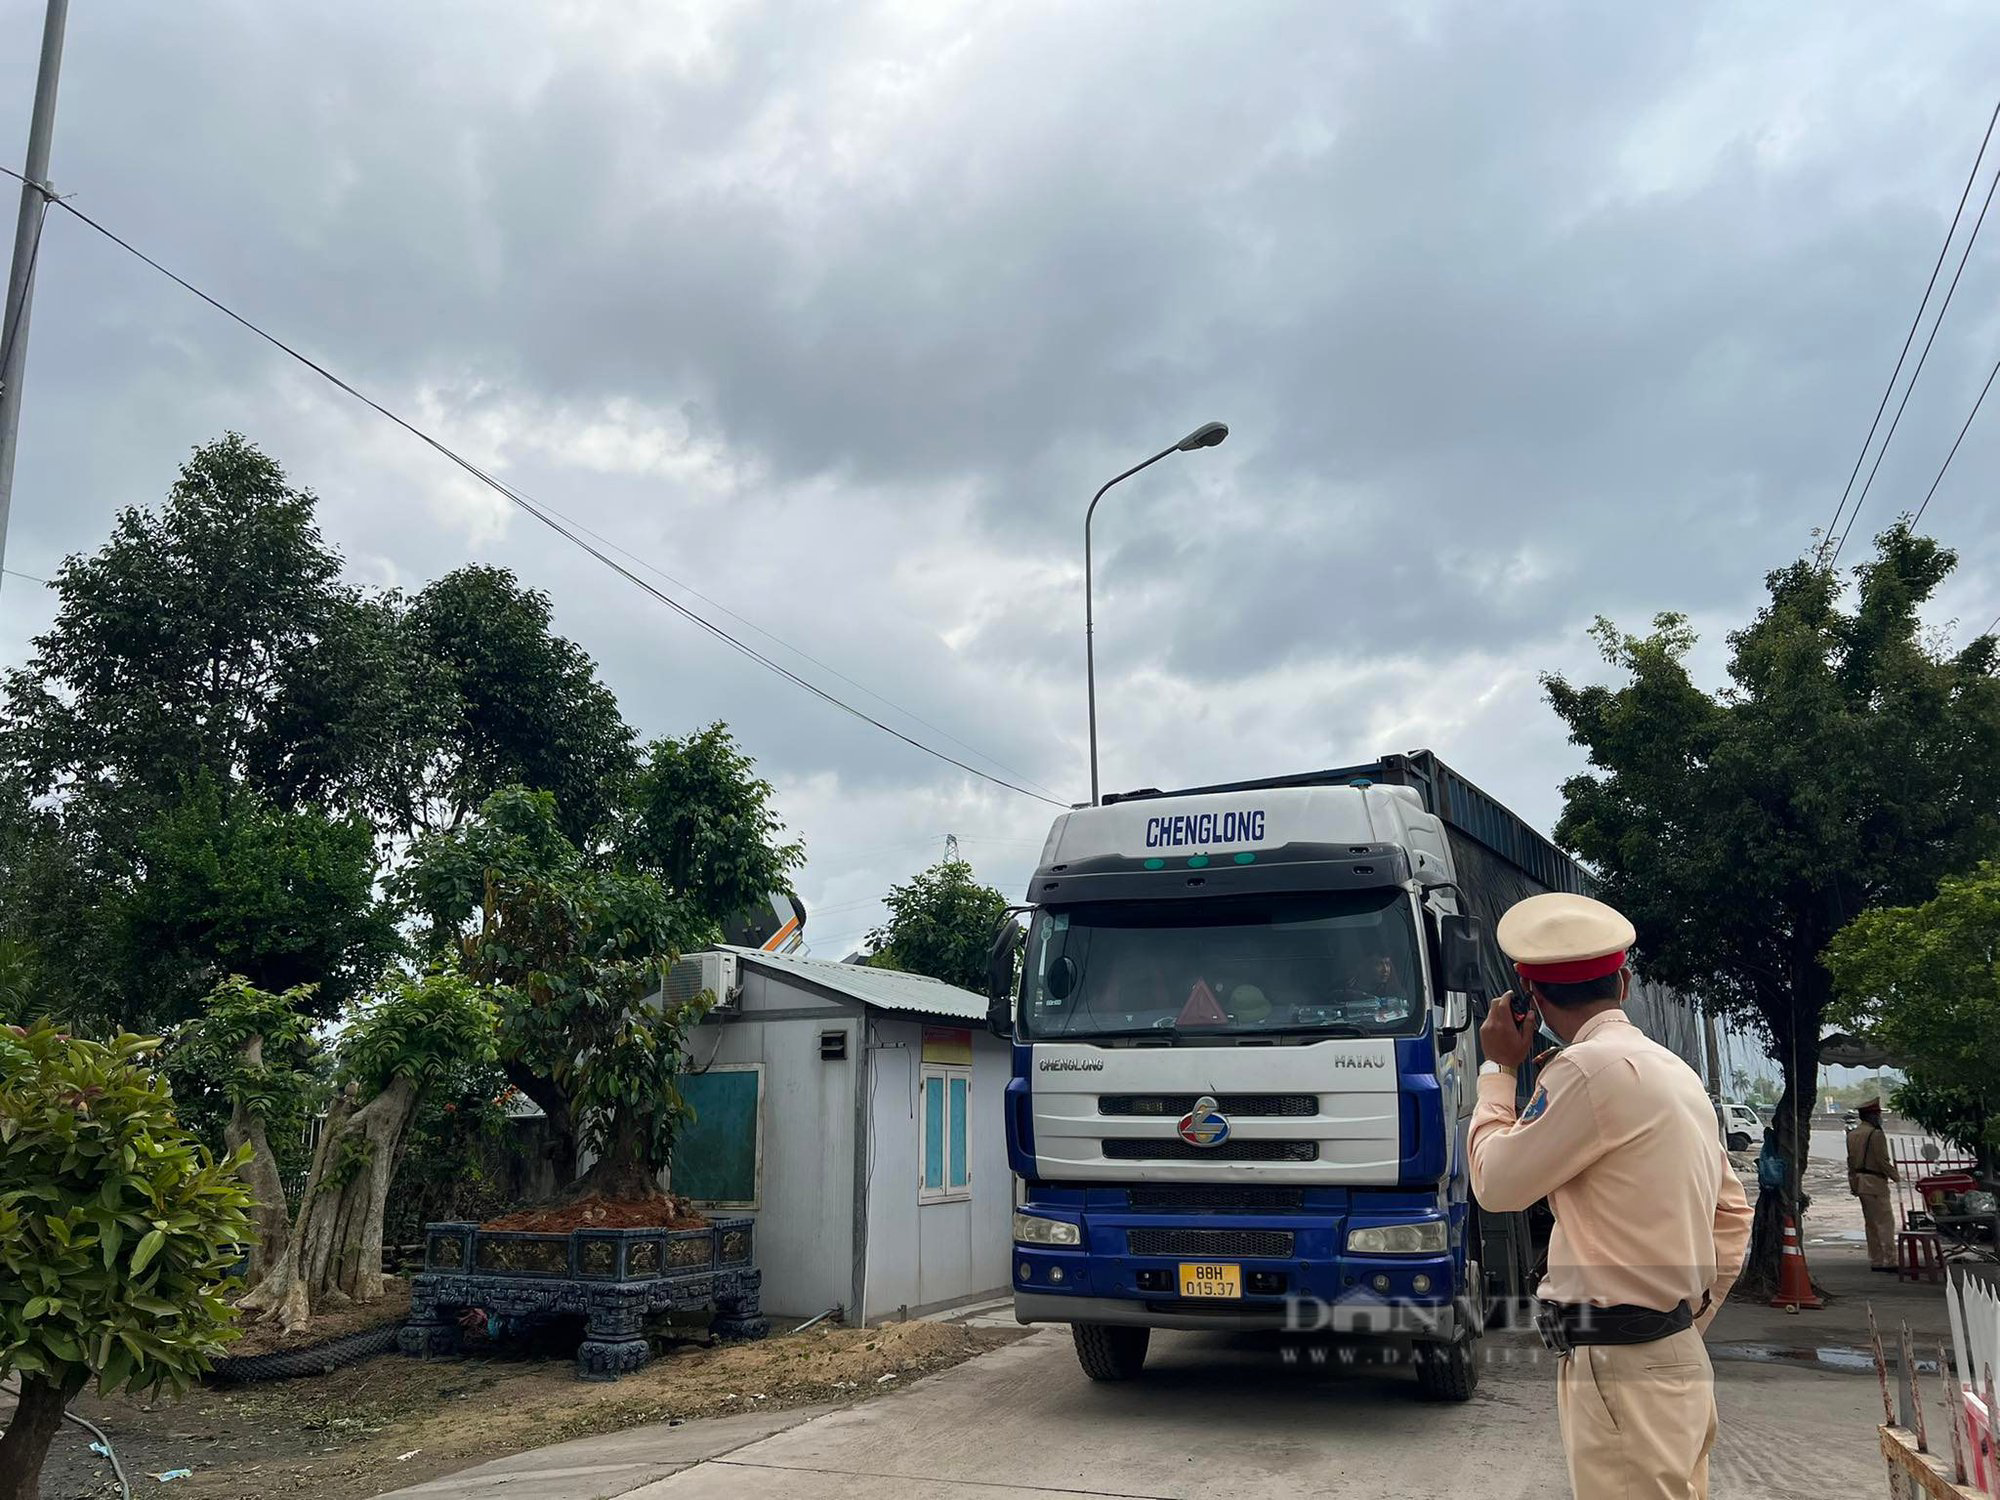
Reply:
x=837, y=314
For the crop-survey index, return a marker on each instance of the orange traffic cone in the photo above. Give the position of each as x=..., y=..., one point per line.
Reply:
x=1795, y=1288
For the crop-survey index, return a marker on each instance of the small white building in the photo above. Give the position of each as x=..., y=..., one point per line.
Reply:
x=855, y=1113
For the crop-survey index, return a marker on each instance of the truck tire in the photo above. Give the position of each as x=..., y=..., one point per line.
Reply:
x=1738, y=1141
x=1110, y=1352
x=1447, y=1372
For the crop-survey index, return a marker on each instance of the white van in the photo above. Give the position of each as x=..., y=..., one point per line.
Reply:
x=1742, y=1126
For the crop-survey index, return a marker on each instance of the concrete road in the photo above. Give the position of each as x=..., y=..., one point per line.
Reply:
x=1214, y=1418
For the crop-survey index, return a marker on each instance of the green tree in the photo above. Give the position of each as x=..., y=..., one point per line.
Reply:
x=573, y=957
x=117, y=1232
x=183, y=645
x=941, y=923
x=494, y=698
x=1923, y=981
x=424, y=1028
x=1849, y=765
x=251, y=1052
x=700, y=819
x=184, y=749
x=224, y=882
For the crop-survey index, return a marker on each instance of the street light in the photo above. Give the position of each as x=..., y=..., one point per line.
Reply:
x=1205, y=436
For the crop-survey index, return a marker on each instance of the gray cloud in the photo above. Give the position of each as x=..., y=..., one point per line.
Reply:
x=1519, y=313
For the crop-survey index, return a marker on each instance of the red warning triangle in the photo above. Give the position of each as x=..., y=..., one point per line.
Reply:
x=1202, y=1008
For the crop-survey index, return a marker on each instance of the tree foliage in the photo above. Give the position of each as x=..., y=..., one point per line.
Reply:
x=700, y=819
x=941, y=923
x=1848, y=765
x=117, y=1234
x=495, y=698
x=184, y=797
x=1924, y=982
x=571, y=954
x=228, y=883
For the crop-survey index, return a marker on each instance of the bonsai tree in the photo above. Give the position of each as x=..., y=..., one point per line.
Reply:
x=573, y=957
x=425, y=1027
x=117, y=1233
x=245, y=1046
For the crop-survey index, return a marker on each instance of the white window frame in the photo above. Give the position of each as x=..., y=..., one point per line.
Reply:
x=947, y=1193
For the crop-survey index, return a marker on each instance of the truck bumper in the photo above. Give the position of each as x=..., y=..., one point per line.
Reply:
x=1304, y=1317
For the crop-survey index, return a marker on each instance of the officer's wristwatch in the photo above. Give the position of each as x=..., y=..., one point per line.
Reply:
x=1490, y=1066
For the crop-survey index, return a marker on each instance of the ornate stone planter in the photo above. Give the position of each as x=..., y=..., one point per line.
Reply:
x=612, y=1278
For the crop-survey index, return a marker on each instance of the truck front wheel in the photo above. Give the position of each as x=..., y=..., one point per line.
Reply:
x=1449, y=1371
x=1110, y=1352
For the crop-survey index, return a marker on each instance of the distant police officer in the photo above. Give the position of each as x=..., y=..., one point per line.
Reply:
x=1869, y=1173
x=1651, y=1223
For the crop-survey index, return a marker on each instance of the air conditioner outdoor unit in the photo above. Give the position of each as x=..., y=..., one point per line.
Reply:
x=718, y=973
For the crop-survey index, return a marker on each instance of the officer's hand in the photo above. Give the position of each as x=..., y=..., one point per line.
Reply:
x=1504, y=1040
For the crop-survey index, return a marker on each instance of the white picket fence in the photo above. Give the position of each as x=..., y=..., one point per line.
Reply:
x=1972, y=1294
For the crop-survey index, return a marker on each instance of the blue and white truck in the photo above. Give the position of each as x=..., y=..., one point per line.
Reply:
x=1243, y=1024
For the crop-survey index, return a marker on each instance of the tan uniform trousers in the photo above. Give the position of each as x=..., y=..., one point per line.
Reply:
x=1878, y=1212
x=1638, y=1420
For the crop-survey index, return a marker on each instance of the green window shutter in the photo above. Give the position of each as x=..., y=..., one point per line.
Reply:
x=959, y=1167
x=715, y=1152
x=933, y=1132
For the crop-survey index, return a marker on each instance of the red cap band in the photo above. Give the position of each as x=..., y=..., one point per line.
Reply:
x=1574, y=972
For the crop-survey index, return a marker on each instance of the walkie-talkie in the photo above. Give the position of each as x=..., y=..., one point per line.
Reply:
x=1517, y=1001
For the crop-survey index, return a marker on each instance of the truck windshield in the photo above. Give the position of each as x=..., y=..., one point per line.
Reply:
x=1344, y=963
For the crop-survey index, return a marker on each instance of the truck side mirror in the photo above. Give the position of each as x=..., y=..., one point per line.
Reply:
x=1459, y=938
x=1000, y=978
x=1461, y=972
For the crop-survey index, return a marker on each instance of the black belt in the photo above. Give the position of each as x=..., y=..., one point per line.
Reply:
x=1565, y=1325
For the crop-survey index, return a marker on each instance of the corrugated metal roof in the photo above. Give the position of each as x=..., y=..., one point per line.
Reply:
x=886, y=989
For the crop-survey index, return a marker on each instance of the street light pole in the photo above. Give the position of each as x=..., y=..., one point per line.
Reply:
x=27, y=235
x=1205, y=436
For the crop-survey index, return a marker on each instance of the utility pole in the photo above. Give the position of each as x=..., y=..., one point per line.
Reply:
x=35, y=198
x=1713, y=1046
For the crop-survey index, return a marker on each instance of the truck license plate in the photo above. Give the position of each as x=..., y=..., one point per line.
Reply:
x=1210, y=1278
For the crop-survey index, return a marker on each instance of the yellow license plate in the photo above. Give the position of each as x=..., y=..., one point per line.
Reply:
x=1210, y=1278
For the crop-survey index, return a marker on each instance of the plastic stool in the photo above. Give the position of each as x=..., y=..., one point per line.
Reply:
x=1919, y=1255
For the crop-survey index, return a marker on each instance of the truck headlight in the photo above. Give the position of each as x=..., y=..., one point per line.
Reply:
x=1425, y=1237
x=1032, y=1229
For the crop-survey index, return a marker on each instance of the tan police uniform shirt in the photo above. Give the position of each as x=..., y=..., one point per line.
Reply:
x=1868, y=1163
x=1621, y=1139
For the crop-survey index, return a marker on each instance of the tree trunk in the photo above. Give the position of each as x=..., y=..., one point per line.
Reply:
x=37, y=1415
x=335, y=1254
x=621, y=1173
x=269, y=1215
x=1797, y=1054
x=562, y=1125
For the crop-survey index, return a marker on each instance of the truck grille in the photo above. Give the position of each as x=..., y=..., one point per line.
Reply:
x=1246, y=1242
x=1173, y=1106
x=1227, y=1151
x=1215, y=1195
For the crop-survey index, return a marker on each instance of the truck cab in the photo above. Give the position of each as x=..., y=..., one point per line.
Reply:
x=1242, y=1072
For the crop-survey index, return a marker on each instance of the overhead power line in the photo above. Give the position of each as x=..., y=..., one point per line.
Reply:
x=1827, y=537
x=1955, y=442
x=804, y=655
x=546, y=517
x=1917, y=374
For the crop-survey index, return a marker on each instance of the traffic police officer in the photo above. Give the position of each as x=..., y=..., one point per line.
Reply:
x=1869, y=1173
x=1651, y=1223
